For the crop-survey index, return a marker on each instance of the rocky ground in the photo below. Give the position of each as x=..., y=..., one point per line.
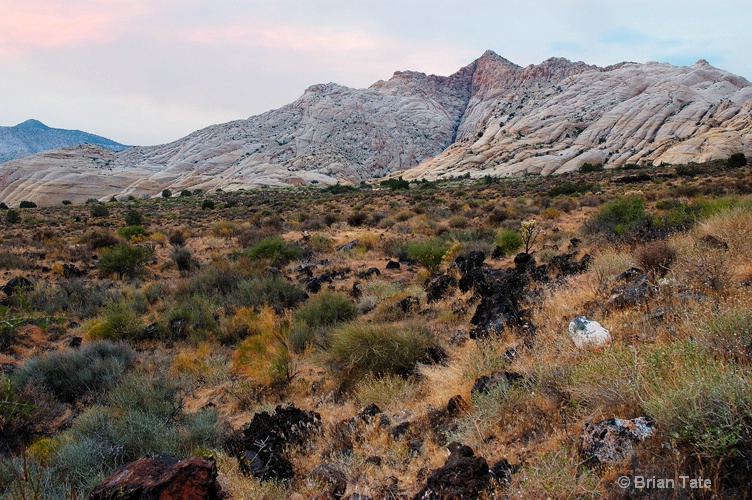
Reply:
x=532, y=338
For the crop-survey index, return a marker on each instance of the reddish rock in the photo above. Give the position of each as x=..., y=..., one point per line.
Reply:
x=161, y=477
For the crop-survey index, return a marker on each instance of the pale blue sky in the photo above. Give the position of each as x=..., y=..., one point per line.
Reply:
x=151, y=71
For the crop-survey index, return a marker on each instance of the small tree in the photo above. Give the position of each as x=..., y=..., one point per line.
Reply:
x=124, y=260
x=134, y=218
x=27, y=204
x=166, y=193
x=99, y=210
x=737, y=160
x=12, y=217
x=529, y=233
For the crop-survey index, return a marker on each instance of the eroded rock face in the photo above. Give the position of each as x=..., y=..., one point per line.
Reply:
x=161, y=477
x=613, y=440
x=491, y=117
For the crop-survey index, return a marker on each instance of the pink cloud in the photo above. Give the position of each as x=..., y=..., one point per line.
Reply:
x=47, y=23
x=289, y=37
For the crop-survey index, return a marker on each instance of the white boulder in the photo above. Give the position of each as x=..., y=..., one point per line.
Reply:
x=586, y=332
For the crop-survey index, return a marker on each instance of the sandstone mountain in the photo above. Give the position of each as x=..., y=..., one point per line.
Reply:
x=33, y=136
x=491, y=117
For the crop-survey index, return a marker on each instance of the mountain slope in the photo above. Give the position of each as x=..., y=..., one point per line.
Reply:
x=33, y=136
x=490, y=117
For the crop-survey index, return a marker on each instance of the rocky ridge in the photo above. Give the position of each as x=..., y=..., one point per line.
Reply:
x=33, y=136
x=491, y=117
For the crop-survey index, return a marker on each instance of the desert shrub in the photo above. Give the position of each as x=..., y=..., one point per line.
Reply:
x=458, y=221
x=704, y=269
x=9, y=260
x=656, y=257
x=395, y=184
x=166, y=193
x=186, y=192
x=703, y=403
x=221, y=279
x=557, y=473
x=3, y=205
x=193, y=318
x=24, y=412
x=224, y=229
x=380, y=349
x=620, y=218
x=12, y=217
x=265, y=289
x=565, y=204
x=320, y=243
x=133, y=232
x=119, y=322
x=427, y=252
x=264, y=356
x=589, y=167
x=208, y=205
x=276, y=250
x=142, y=415
x=99, y=210
x=604, y=379
x=356, y=219
x=387, y=390
x=71, y=374
x=27, y=204
x=99, y=239
x=570, y=188
x=325, y=310
x=736, y=160
x=176, y=238
x=729, y=334
x=124, y=260
x=668, y=204
x=183, y=258
x=73, y=295
x=509, y=240
x=134, y=218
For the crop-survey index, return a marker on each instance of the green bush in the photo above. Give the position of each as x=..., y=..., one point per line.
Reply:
x=509, y=240
x=183, y=258
x=620, y=218
x=192, y=318
x=27, y=204
x=729, y=334
x=589, y=167
x=129, y=232
x=166, y=193
x=428, y=252
x=124, y=260
x=74, y=296
x=185, y=192
x=276, y=249
x=134, y=218
x=142, y=415
x=12, y=216
x=120, y=322
x=703, y=403
x=380, y=349
x=208, y=205
x=737, y=160
x=319, y=314
x=99, y=210
x=264, y=289
x=71, y=374
x=395, y=184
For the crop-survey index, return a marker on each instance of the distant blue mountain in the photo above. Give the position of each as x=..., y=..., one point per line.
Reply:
x=33, y=136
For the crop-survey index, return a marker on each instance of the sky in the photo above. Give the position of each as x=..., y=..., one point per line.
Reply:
x=146, y=72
